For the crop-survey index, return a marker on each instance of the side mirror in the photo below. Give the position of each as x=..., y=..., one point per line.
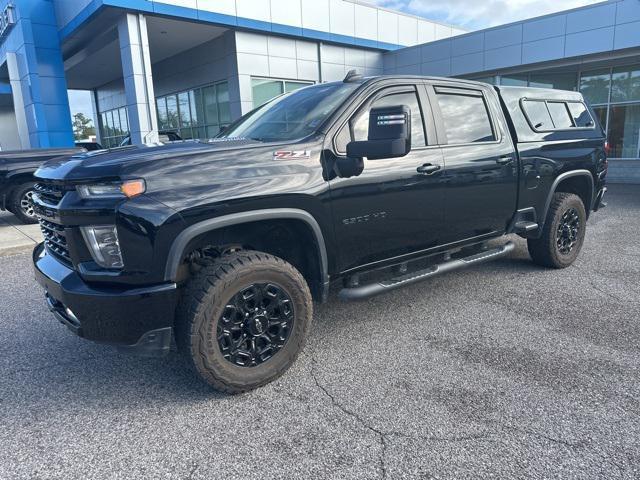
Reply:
x=389, y=134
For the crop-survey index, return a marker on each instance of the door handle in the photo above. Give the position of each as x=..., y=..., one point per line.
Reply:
x=428, y=168
x=504, y=160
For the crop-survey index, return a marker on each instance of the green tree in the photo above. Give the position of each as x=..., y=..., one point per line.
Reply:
x=82, y=126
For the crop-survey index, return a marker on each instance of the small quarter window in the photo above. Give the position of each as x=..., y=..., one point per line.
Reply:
x=581, y=116
x=560, y=115
x=538, y=114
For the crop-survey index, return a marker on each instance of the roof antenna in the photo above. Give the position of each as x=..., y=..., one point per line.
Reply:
x=352, y=76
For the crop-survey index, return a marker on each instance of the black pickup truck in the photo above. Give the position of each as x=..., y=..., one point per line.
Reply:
x=373, y=182
x=16, y=178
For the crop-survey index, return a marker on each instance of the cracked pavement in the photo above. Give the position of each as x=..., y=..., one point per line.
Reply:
x=505, y=370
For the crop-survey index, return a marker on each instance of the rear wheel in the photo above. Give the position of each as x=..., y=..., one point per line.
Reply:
x=563, y=233
x=243, y=320
x=22, y=203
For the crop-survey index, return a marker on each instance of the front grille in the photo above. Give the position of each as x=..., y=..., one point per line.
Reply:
x=50, y=193
x=55, y=240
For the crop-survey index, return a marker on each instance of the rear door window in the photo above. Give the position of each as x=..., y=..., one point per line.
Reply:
x=465, y=116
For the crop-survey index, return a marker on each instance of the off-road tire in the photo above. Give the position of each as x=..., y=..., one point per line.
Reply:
x=545, y=250
x=17, y=197
x=204, y=300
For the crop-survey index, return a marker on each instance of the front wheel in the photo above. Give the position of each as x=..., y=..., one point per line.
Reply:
x=22, y=203
x=563, y=233
x=243, y=320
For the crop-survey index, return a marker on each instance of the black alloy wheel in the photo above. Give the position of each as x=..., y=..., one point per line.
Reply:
x=255, y=324
x=568, y=230
x=563, y=234
x=243, y=319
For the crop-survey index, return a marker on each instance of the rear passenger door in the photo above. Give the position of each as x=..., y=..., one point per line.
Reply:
x=481, y=164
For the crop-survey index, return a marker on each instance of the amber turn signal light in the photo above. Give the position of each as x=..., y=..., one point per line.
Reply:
x=133, y=188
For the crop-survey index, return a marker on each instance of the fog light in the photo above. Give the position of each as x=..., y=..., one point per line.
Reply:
x=103, y=245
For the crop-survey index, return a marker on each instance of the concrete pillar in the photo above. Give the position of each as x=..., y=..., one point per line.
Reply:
x=18, y=100
x=138, y=79
x=34, y=62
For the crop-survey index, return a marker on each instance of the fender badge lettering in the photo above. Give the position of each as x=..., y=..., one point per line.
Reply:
x=364, y=218
x=291, y=154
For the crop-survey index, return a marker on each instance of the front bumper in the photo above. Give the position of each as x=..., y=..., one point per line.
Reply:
x=137, y=319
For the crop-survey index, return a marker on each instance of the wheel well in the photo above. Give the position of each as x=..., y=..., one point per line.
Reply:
x=290, y=239
x=578, y=185
x=17, y=180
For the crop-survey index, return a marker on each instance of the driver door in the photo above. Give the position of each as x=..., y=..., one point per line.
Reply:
x=391, y=209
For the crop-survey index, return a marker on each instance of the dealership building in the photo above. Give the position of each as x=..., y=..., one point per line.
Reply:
x=193, y=66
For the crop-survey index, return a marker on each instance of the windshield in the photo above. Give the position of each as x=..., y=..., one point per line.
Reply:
x=292, y=116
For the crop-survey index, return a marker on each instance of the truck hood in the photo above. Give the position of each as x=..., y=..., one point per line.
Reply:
x=139, y=161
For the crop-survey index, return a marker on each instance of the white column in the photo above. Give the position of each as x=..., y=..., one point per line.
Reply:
x=138, y=80
x=18, y=100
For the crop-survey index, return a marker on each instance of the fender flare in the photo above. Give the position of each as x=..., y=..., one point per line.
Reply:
x=12, y=180
x=560, y=178
x=22, y=173
x=182, y=240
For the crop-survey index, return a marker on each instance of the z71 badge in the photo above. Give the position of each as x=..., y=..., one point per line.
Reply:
x=291, y=154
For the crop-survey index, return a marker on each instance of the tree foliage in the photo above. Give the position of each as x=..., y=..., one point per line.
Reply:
x=82, y=126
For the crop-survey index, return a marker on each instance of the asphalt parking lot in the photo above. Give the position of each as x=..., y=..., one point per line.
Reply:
x=502, y=371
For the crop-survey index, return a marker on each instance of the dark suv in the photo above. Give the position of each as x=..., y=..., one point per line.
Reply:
x=375, y=183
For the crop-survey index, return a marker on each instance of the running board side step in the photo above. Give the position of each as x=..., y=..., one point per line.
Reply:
x=366, y=291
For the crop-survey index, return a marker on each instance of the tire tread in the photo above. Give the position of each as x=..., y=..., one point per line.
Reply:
x=199, y=296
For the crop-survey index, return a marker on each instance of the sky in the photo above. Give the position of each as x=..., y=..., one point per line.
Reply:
x=477, y=14
x=80, y=101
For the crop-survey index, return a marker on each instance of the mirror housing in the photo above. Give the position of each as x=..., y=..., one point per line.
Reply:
x=389, y=134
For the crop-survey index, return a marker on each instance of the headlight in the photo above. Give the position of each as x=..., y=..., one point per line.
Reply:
x=130, y=188
x=103, y=245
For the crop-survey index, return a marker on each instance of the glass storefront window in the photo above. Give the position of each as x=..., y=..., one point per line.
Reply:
x=185, y=115
x=514, y=80
x=601, y=113
x=558, y=81
x=292, y=86
x=489, y=80
x=624, y=131
x=161, y=106
x=625, y=84
x=595, y=85
x=264, y=89
x=115, y=127
x=195, y=113
x=224, y=109
x=210, y=105
x=172, y=112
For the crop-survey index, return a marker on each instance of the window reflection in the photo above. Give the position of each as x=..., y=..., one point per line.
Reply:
x=466, y=118
x=264, y=89
x=624, y=131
